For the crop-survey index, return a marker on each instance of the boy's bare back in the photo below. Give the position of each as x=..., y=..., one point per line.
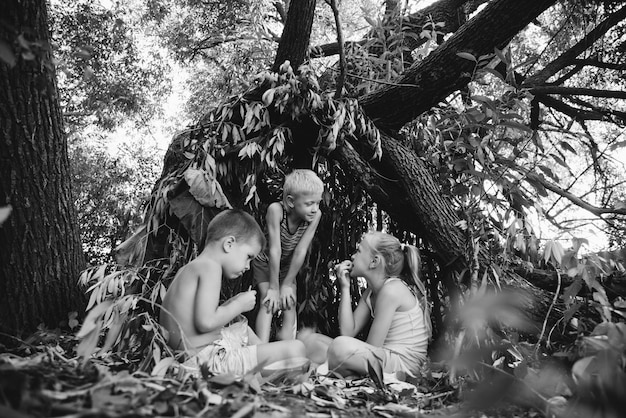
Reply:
x=195, y=288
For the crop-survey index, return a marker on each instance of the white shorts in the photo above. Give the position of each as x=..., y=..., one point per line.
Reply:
x=231, y=354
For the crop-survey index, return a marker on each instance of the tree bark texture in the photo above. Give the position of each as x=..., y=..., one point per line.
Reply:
x=296, y=35
x=40, y=250
x=443, y=72
x=402, y=186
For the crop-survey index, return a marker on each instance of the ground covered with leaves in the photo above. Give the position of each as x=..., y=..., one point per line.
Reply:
x=43, y=377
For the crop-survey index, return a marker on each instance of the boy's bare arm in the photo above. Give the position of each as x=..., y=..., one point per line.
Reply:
x=273, y=217
x=209, y=316
x=299, y=253
x=287, y=296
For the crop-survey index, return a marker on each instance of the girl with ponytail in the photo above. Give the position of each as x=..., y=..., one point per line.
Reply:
x=395, y=302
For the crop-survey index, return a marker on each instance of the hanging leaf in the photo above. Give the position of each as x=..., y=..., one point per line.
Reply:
x=554, y=250
x=206, y=189
x=251, y=194
x=541, y=190
x=559, y=160
x=7, y=55
x=566, y=146
x=547, y=251
x=467, y=56
x=113, y=332
x=193, y=216
x=162, y=366
x=268, y=97
x=548, y=172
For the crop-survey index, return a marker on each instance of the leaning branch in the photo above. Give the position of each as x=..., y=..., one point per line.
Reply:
x=598, y=211
x=579, y=114
x=569, y=56
x=579, y=91
x=615, y=116
x=614, y=284
x=600, y=64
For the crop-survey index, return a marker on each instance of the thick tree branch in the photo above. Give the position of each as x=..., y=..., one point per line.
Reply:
x=581, y=115
x=598, y=211
x=615, y=116
x=615, y=285
x=600, y=64
x=569, y=56
x=571, y=73
x=443, y=72
x=579, y=91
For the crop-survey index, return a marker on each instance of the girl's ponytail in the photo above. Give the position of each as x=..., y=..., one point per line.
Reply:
x=413, y=264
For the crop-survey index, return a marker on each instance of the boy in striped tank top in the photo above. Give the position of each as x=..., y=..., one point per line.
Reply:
x=291, y=225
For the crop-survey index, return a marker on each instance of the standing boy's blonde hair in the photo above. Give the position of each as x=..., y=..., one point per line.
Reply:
x=301, y=181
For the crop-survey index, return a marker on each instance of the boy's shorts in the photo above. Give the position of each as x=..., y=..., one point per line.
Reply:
x=261, y=271
x=231, y=354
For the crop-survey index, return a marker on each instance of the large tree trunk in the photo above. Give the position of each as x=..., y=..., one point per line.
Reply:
x=296, y=34
x=40, y=249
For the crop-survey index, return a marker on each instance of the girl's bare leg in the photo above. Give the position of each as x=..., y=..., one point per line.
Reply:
x=349, y=356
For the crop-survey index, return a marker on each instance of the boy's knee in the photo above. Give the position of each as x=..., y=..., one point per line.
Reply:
x=305, y=335
x=341, y=349
x=298, y=348
x=292, y=348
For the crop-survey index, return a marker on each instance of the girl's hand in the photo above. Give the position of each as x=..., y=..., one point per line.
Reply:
x=342, y=271
x=287, y=298
x=272, y=300
x=246, y=300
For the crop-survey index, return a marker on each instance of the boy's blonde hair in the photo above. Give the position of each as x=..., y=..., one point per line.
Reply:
x=237, y=223
x=301, y=181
